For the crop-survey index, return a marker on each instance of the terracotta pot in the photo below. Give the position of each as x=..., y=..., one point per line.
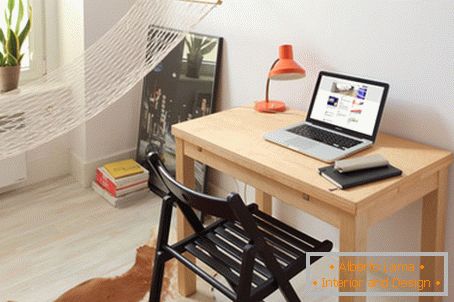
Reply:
x=9, y=78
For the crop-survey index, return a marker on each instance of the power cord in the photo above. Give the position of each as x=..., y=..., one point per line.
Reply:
x=245, y=186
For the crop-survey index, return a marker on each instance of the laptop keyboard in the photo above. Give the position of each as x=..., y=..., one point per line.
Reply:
x=325, y=137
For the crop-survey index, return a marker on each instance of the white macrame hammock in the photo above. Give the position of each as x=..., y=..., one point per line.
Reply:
x=62, y=100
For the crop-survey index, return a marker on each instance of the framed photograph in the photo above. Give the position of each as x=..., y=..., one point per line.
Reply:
x=182, y=87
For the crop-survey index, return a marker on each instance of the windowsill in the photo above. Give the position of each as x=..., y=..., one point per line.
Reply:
x=11, y=120
x=27, y=76
x=24, y=90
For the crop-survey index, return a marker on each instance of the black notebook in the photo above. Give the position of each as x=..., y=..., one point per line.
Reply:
x=356, y=178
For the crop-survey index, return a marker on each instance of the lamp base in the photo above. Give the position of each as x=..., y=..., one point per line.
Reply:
x=270, y=106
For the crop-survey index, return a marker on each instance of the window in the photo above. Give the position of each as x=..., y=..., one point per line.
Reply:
x=33, y=63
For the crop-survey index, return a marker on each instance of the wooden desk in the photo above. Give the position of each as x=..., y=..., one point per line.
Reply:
x=232, y=142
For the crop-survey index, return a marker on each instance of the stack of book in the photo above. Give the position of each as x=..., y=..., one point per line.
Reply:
x=121, y=182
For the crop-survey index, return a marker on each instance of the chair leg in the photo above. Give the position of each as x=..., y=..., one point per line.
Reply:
x=247, y=270
x=289, y=292
x=160, y=259
x=157, y=278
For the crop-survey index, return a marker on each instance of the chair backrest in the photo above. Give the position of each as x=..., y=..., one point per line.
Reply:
x=210, y=205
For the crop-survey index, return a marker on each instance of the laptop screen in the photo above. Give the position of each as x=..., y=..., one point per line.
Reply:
x=349, y=104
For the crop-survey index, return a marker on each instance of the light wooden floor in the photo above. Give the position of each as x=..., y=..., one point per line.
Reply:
x=56, y=235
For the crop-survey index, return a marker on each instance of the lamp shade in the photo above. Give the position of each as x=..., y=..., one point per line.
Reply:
x=286, y=68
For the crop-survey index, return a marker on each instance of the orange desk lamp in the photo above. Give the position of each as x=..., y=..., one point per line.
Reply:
x=284, y=68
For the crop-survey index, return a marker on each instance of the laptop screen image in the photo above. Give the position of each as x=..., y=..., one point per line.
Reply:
x=349, y=104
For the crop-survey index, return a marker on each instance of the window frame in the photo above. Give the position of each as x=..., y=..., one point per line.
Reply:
x=37, y=45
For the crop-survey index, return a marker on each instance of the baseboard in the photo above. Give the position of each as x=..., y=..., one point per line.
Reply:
x=85, y=172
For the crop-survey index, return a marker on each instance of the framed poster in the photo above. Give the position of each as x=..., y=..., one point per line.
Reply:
x=182, y=87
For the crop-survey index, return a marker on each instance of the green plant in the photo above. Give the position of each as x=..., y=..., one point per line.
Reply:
x=198, y=47
x=13, y=36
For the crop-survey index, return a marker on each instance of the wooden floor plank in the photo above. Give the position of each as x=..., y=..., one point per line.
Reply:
x=57, y=235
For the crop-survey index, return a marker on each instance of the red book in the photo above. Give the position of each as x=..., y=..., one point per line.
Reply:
x=136, y=183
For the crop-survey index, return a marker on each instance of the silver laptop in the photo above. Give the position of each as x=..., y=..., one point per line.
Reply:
x=343, y=118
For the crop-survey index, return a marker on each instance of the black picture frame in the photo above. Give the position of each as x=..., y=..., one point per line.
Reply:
x=177, y=90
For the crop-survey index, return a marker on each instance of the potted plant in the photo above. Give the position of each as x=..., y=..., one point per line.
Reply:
x=197, y=49
x=12, y=37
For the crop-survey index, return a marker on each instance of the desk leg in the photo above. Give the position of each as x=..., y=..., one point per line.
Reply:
x=433, y=231
x=185, y=175
x=264, y=201
x=353, y=238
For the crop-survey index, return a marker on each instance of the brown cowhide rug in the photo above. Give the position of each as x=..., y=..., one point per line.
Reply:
x=132, y=286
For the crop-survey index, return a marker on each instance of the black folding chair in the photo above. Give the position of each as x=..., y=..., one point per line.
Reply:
x=253, y=251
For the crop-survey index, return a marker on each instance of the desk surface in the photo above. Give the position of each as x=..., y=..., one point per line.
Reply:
x=237, y=134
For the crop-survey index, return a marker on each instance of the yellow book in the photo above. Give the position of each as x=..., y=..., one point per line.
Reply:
x=123, y=168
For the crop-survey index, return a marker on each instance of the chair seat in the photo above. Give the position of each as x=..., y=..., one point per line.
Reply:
x=254, y=252
x=221, y=248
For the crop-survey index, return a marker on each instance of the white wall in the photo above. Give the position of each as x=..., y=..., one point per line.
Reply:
x=70, y=35
x=409, y=44
x=116, y=129
x=113, y=133
x=70, y=40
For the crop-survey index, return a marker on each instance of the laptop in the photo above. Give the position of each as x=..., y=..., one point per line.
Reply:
x=343, y=118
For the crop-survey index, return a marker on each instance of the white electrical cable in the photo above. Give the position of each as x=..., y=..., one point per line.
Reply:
x=245, y=193
x=67, y=97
